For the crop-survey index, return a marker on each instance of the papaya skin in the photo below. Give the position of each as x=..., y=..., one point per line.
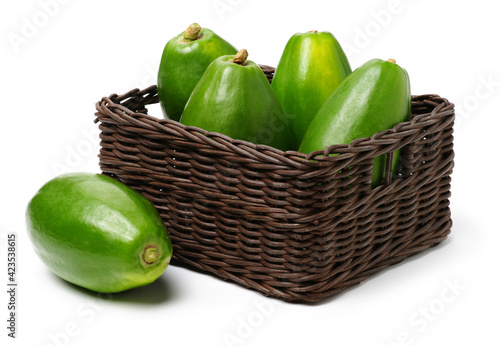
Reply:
x=311, y=67
x=375, y=97
x=97, y=233
x=183, y=62
x=235, y=98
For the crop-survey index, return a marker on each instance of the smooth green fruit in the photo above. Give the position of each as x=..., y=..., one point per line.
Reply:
x=375, y=97
x=311, y=67
x=235, y=98
x=98, y=233
x=183, y=62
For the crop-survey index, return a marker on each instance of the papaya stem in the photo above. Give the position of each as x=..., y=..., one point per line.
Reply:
x=240, y=57
x=192, y=32
x=391, y=60
x=150, y=254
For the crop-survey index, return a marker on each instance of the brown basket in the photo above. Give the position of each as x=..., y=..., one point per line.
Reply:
x=293, y=226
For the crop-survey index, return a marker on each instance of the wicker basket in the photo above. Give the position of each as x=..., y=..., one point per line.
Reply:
x=292, y=226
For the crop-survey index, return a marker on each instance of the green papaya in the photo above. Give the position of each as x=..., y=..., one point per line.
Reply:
x=97, y=233
x=311, y=67
x=183, y=62
x=234, y=97
x=373, y=98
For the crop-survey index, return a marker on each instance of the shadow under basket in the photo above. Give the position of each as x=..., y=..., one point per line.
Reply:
x=292, y=226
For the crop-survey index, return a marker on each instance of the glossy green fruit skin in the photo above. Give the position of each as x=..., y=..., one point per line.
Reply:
x=182, y=65
x=375, y=97
x=312, y=66
x=91, y=230
x=238, y=101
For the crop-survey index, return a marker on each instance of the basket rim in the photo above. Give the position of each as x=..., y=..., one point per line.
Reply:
x=113, y=107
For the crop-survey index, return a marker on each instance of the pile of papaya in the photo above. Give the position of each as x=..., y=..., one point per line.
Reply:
x=100, y=234
x=314, y=100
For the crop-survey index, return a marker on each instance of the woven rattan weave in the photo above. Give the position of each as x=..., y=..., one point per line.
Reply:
x=292, y=226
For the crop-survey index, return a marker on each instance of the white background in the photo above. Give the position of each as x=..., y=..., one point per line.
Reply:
x=59, y=57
